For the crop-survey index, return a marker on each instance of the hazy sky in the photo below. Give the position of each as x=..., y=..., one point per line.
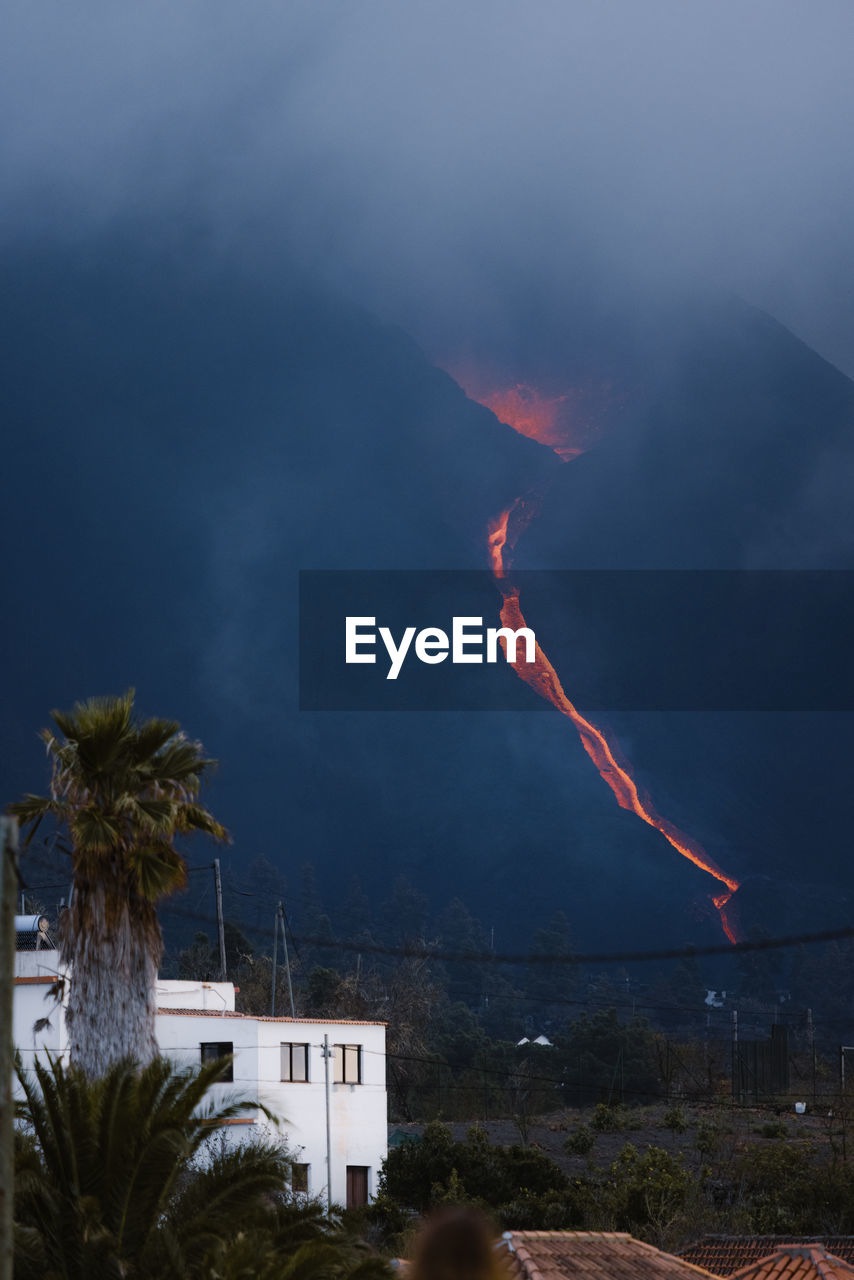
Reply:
x=426, y=153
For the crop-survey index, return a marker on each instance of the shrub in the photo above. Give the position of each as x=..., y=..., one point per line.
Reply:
x=580, y=1143
x=675, y=1119
x=707, y=1138
x=437, y=1169
x=529, y=1212
x=607, y=1119
x=646, y=1187
x=773, y=1129
x=776, y=1186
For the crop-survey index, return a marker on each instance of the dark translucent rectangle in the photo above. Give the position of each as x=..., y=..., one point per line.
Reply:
x=611, y=640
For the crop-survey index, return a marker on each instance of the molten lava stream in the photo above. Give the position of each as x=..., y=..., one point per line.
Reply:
x=543, y=678
x=547, y=419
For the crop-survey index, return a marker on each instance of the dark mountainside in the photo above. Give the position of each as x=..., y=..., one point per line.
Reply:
x=735, y=452
x=182, y=440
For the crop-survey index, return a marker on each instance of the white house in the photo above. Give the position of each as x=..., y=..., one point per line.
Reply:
x=278, y=1062
x=35, y=974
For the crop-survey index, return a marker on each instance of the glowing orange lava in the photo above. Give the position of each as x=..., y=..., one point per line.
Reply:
x=561, y=422
x=543, y=678
x=496, y=540
x=532, y=415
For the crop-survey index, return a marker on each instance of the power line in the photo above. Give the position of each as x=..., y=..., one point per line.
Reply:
x=426, y=952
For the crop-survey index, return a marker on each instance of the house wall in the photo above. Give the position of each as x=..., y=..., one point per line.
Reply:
x=358, y=1112
x=176, y=993
x=35, y=974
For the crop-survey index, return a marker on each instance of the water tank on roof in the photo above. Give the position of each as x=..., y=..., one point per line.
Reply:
x=31, y=924
x=31, y=933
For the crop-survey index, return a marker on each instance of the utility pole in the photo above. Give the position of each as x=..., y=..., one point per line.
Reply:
x=219, y=920
x=327, y=1054
x=811, y=1040
x=275, y=957
x=8, y=890
x=287, y=958
x=280, y=919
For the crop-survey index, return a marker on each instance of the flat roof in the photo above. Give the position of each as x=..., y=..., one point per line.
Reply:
x=266, y=1017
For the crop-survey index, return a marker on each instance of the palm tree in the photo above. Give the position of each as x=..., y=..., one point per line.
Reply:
x=123, y=1176
x=299, y=1242
x=118, y=1176
x=121, y=790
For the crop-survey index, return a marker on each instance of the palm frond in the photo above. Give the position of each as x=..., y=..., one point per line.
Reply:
x=108, y=1185
x=193, y=817
x=181, y=761
x=30, y=808
x=152, y=812
x=93, y=829
x=151, y=737
x=158, y=870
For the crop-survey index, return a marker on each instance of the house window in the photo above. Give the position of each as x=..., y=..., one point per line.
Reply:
x=357, y=1185
x=295, y=1063
x=348, y=1064
x=216, y=1049
x=299, y=1178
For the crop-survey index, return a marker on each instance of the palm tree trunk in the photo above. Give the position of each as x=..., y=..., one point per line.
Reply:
x=113, y=947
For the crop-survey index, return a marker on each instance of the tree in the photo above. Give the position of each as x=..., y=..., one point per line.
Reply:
x=109, y=1181
x=553, y=982
x=610, y=1060
x=121, y=790
x=519, y=1184
x=646, y=1191
x=200, y=960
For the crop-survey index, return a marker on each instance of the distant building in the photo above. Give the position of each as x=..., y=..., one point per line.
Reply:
x=277, y=1061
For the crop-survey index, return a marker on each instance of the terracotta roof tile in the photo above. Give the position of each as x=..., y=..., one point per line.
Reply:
x=593, y=1255
x=805, y=1261
x=725, y=1255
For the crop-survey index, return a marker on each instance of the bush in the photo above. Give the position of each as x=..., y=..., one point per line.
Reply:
x=580, y=1143
x=776, y=1185
x=436, y=1169
x=607, y=1119
x=646, y=1188
x=707, y=1138
x=675, y=1119
x=549, y=1212
x=773, y=1129
x=384, y=1224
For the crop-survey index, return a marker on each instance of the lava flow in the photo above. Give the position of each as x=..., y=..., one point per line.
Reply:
x=532, y=415
x=543, y=678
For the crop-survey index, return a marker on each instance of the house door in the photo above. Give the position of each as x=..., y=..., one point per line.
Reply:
x=357, y=1185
